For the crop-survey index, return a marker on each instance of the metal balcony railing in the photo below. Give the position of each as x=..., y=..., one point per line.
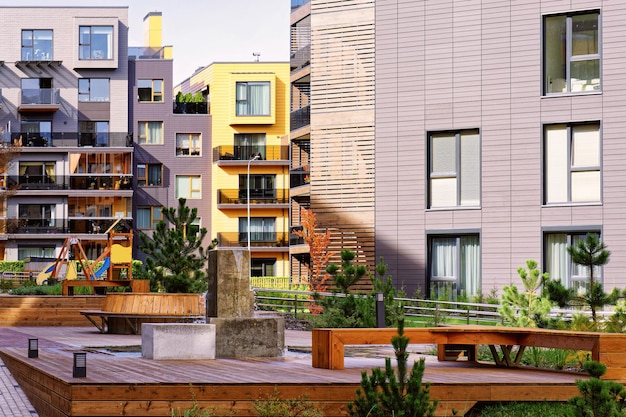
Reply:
x=257, y=239
x=245, y=153
x=257, y=196
x=72, y=139
x=300, y=118
x=31, y=225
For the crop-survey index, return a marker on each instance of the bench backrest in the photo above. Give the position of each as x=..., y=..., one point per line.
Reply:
x=155, y=303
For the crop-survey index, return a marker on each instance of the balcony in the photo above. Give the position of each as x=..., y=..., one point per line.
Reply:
x=299, y=177
x=263, y=196
x=257, y=240
x=300, y=118
x=56, y=225
x=72, y=139
x=245, y=153
x=74, y=182
x=191, y=108
x=40, y=100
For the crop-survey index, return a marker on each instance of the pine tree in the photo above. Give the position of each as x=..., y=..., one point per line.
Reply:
x=176, y=258
x=387, y=393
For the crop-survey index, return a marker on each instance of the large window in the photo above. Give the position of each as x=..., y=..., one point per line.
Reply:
x=262, y=229
x=559, y=264
x=572, y=163
x=38, y=91
x=148, y=217
x=247, y=145
x=93, y=133
x=150, y=175
x=188, y=144
x=150, y=90
x=37, y=45
x=253, y=99
x=572, y=52
x=263, y=267
x=454, y=263
x=150, y=133
x=188, y=186
x=95, y=42
x=24, y=252
x=93, y=89
x=454, y=169
x=261, y=186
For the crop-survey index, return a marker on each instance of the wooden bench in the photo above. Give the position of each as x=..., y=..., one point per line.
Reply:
x=507, y=344
x=123, y=313
x=136, y=285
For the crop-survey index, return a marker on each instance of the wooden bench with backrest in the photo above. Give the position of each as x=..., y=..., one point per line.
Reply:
x=125, y=312
x=507, y=344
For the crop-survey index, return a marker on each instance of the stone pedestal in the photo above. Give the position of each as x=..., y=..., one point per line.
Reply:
x=247, y=337
x=229, y=293
x=178, y=341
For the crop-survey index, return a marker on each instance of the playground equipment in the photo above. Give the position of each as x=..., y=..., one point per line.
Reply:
x=115, y=260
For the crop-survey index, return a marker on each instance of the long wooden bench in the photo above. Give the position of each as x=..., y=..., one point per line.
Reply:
x=123, y=313
x=507, y=344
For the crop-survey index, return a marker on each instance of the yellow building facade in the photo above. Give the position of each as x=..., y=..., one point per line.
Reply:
x=249, y=107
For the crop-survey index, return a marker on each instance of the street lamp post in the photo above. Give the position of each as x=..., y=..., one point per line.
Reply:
x=253, y=158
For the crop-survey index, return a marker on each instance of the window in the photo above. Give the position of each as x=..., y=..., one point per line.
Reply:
x=92, y=133
x=262, y=229
x=263, y=267
x=558, y=263
x=95, y=42
x=572, y=163
x=37, y=217
x=24, y=252
x=33, y=174
x=261, y=186
x=36, y=132
x=36, y=45
x=454, y=169
x=150, y=90
x=188, y=144
x=93, y=89
x=454, y=266
x=150, y=175
x=148, y=217
x=571, y=53
x=188, y=186
x=37, y=91
x=253, y=99
x=150, y=133
x=247, y=145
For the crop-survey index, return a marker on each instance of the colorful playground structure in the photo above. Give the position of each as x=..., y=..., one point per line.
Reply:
x=112, y=268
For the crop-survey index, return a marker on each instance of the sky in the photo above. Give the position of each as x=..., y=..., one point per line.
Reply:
x=204, y=31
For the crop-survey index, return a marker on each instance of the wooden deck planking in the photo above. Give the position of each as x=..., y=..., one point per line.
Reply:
x=135, y=386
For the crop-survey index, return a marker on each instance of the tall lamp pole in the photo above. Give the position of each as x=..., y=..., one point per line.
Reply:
x=253, y=158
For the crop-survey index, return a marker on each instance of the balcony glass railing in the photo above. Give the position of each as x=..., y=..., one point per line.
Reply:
x=191, y=108
x=257, y=196
x=300, y=118
x=257, y=239
x=72, y=139
x=245, y=153
x=33, y=225
x=74, y=182
x=40, y=96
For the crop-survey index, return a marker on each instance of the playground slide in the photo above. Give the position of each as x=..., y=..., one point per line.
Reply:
x=43, y=276
x=104, y=267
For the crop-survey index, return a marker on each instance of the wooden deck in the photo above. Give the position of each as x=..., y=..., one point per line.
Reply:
x=133, y=386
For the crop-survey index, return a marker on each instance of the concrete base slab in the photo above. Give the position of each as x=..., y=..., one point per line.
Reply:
x=178, y=341
x=240, y=337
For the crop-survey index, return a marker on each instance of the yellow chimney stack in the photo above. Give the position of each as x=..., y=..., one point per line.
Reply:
x=153, y=30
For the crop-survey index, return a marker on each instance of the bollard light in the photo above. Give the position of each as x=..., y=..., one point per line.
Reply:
x=33, y=348
x=380, y=310
x=80, y=364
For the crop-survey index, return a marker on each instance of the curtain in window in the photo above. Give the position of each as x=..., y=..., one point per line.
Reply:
x=143, y=218
x=154, y=175
x=242, y=99
x=443, y=258
x=154, y=135
x=259, y=98
x=50, y=171
x=183, y=186
x=469, y=268
x=556, y=257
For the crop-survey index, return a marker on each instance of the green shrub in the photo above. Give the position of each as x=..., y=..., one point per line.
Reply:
x=274, y=406
x=527, y=409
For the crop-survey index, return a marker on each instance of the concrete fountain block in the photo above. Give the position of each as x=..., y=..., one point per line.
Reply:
x=178, y=341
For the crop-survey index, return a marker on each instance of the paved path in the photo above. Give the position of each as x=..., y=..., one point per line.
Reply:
x=13, y=401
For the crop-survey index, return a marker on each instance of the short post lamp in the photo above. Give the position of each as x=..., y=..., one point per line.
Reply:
x=80, y=365
x=33, y=348
x=380, y=310
x=253, y=158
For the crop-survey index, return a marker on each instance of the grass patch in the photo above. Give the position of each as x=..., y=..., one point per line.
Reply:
x=523, y=409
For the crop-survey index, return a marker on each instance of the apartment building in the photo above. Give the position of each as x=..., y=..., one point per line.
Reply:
x=64, y=80
x=499, y=138
x=332, y=134
x=172, y=138
x=249, y=107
